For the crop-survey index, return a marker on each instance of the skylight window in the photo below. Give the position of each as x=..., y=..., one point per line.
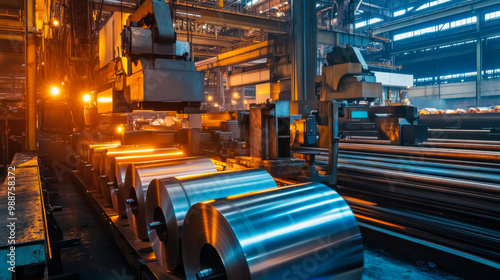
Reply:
x=435, y=28
x=367, y=22
x=494, y=15
x=430, y=4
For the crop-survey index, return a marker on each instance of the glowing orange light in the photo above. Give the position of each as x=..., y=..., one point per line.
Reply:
x=55, y=22
x=360, y=201
x=120, y=129
x=208, y=201
x=210, y=98
x=235, y=95
x=131, y=151
x=86, y=98
x=378, y=221
x=245, y=102
x=173, y=154
x=216, y=105
x=54, y=91
x=104, y=99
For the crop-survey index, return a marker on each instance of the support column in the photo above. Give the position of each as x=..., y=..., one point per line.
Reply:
x=479, y=59
x=30, y=54
x=479, y=67
x=304, y=49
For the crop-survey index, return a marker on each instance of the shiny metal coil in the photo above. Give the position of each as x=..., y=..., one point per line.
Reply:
x=137, y=179
x=168, y=200
x=304, y=231
x=117, y=171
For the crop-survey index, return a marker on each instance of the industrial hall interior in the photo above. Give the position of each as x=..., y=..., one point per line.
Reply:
x=250, y=139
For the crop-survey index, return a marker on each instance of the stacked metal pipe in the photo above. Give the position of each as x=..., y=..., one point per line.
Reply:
x=447, y=196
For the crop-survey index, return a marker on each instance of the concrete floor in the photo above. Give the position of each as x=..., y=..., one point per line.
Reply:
x=380, y=265
x=98, y=257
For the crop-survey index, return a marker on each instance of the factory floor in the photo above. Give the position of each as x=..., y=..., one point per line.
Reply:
x=99, y=258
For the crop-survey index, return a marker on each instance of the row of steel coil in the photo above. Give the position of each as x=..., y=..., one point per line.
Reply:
x=225, y=224
x=474, y=110
x=449, y=197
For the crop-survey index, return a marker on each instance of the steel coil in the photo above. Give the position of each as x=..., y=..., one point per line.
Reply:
x=117, y=171
x=137, y=179
x=304, y=231
x=105, y=181
x=168, y=200
x=148, y=151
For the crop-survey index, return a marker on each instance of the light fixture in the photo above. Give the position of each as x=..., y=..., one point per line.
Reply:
x=86, y=98
x=209, y=98
x=54, y=91
x=235, y=95
x=55, y=22
x=216, y=105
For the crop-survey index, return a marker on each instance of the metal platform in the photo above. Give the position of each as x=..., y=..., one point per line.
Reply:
x=25, y=224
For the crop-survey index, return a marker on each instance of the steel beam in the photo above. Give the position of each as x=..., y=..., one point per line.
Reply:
x=418, y=19
x=236, y=57
x=335, y=38
x=30, y=18
x=260, y=76
x=231, y=19
x=304, y=48
x=479, y=60
x=198, y=40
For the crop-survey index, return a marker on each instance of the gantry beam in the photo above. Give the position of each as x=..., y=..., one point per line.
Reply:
x=231, y=19
x=236, y=57
x=423, y=18
x=205, y=41
x=335, y=38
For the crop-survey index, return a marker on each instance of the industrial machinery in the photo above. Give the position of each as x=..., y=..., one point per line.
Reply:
x=154, y=70
x=348, y=78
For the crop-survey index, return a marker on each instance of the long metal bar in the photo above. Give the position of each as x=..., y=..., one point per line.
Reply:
x=231, y=19
x=30, y=16
x=481, y=156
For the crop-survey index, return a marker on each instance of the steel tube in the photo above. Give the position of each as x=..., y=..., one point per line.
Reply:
x=265, y=235
x=168, y=200
x=428, y=179
x=442, y=170
x=139, y=175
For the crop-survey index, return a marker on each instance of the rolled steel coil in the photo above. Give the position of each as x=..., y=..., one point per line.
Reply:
x=304, y=231
x=168, y=200
x=99, y=153
x=117, y=171
x=121, y=150
x=143, y=151
x=106, y=178
x=139, y=175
